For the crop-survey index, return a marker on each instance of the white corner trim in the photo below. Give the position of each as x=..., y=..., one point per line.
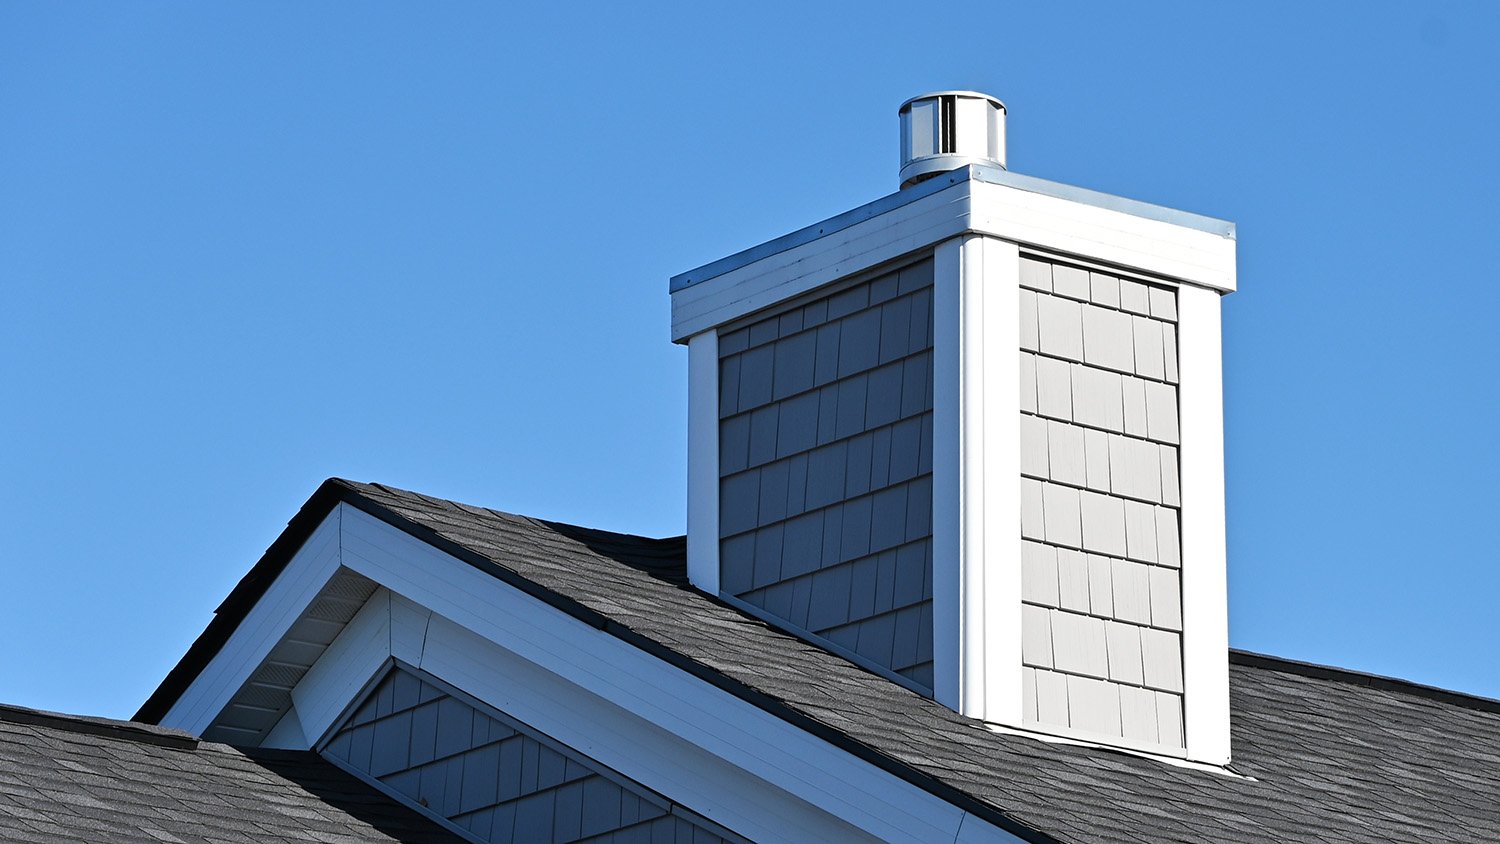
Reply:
x=1205, y=619
x=1155, y=247
x=976, y=472
x=291, y=593
x=947, y=473
x=703, y=462
x=995, y=283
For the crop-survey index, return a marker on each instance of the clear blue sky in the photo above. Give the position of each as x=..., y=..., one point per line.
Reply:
x=244, y=247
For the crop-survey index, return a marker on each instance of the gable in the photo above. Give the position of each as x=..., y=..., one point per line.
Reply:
x=1354, y=757
x=588, y=685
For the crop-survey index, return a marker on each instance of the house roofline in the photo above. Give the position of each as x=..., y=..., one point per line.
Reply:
x=1252, y=659
x=334, y=491
x=103, y=727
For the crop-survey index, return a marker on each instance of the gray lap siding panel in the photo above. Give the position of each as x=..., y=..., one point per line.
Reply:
x=826, y=469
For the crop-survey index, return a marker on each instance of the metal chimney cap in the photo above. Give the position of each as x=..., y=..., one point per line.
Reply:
x=946, y=130
x=975, y=94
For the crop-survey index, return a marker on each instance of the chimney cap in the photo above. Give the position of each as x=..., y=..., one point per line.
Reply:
x=946, y=130
x=957, y=93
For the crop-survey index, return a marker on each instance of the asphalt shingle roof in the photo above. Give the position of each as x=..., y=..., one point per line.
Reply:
x=1322, y=754
x=66, y=778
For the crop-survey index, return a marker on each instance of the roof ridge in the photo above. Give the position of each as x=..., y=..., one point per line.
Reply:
x=362, y=486
x=105, y=727
x=1253, y=659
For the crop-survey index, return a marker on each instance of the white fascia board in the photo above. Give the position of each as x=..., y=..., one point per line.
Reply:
x=1205, y=615
x=776, y=278
x=703, y=462
x=1045, y=220
x=262, y=628
x=1155, y=247
x=664, y=704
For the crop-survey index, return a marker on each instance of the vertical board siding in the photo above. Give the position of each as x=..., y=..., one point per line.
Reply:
x=1101, y=561
x=825, y=465
x=491, y=776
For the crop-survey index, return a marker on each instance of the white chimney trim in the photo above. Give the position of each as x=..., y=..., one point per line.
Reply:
x=1205, y=619
x=703, y=462
x=1184, y=252
x=976, y=489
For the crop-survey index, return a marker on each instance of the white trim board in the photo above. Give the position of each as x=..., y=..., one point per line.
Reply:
x=676, y=734
x=264, y=625
x=1156, y=247
x=976, y=480
x=703, y=462
x=1205, y=595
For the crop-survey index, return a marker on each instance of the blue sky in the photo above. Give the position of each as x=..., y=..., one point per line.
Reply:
x=244, y=247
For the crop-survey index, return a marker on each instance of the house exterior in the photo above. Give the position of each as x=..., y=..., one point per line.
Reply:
x=954, y=571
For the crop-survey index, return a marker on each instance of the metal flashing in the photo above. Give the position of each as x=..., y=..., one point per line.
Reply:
x=973, y=172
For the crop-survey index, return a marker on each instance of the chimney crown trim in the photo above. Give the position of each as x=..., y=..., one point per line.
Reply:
x=972, y=200
x=974, y=172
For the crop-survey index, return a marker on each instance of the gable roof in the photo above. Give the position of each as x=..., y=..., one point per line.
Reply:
x=68, y=778
x=1320, y=753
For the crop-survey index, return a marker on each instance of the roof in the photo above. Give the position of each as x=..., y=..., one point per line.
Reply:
x=67, y=778
x=1319, y=753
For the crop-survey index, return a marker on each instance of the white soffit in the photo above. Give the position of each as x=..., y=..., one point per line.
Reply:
x=683, y=737
x=1032, y=212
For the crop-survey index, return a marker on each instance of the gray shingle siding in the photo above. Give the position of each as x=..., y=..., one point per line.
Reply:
x=826, y=469
x=493, y=777
x=1100, y=556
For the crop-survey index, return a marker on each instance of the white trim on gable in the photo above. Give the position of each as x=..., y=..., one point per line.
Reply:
x=311, y=567
x=718, y=755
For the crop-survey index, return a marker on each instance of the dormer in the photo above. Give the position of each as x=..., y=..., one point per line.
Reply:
x=970, y=437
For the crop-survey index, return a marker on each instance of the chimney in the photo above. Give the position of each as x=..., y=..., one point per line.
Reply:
x=970, y=437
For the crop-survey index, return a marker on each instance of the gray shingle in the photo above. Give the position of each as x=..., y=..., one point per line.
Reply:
x=87, y=779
